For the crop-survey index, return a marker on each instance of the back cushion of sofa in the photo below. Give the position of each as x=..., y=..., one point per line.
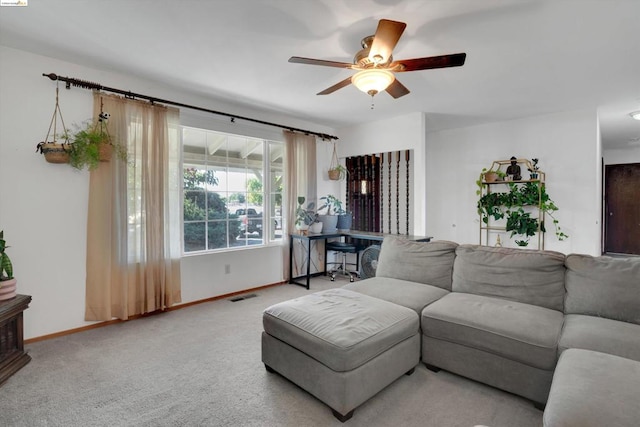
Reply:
x=527, y=276
x=603, y=286
x=422, y=262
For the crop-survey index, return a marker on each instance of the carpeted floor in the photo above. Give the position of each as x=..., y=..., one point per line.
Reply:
x=200, y=366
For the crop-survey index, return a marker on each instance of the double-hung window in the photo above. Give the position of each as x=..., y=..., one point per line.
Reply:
x=232, y=192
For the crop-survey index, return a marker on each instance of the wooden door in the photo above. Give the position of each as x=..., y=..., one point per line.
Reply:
x=622, y=208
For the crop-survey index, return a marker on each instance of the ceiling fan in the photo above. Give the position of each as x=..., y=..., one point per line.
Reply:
x=376, y=66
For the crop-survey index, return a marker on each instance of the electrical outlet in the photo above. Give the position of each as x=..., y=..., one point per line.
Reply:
x=227, y=269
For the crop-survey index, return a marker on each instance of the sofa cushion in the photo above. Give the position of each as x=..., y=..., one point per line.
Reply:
x=600, y=334
x=603, y=286
x=430, y=263
x=592, y=389
x=522, y=332
x=523, y=275
x=415, y=296
x=339, y=328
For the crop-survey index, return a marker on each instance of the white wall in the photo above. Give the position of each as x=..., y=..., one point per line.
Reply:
x=43, y=207
x=622, y=155
x=568, y=146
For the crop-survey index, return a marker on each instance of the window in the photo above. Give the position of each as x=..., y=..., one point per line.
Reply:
x=232, y=195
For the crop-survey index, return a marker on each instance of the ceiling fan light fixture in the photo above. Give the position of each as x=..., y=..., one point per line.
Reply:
x=635, y=115
x=373, y=80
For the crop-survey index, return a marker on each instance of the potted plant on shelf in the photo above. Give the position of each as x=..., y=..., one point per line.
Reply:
x=7, y=281
x=92, y=144
x=533, y=170
x=490, y=176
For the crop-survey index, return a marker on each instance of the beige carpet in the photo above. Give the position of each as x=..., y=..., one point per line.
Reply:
x=200, y=366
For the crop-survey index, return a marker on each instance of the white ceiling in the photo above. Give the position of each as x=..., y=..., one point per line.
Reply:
x=524, y=57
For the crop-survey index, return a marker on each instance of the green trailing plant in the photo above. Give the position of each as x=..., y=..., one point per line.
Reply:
x=481, y=179
x=305, y=216
x=511, y=204
x=87, y=142
x=6, y=269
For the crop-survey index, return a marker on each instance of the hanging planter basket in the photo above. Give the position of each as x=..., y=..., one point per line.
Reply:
x=106, y=151
x=334, y=174
x=336, y=170
x=55, y=151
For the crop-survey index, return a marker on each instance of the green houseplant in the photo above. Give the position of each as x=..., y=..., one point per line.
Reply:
x=305, y=216
x=511, y=205
x=331, y=206
x=91, y=144
x=7, y=281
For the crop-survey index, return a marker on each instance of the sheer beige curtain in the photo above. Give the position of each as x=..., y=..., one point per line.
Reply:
x=133, y=224
x=300, y=180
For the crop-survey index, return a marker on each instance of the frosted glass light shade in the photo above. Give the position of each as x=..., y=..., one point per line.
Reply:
x=373, y=80
x=635, y=115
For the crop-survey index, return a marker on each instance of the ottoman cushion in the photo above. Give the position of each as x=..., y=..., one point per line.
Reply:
x=592, y=389
x=339, y=328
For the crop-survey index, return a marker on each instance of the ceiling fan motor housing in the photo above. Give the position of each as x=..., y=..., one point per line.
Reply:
x=362, y=60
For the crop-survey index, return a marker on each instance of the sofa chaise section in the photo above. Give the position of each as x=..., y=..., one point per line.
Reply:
x=593, y=389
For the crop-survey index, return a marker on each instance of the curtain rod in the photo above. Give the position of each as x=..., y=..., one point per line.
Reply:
x=70, y=81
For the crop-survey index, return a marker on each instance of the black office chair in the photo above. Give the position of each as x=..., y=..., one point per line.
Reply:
x=342, y=248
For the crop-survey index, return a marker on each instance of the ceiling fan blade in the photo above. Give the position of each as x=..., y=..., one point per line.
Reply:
x=397, y=89
x=443, y=61
x=335, y=87
x=385, y=39
x=310, y=61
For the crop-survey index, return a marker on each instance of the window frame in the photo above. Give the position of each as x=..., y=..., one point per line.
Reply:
x=272, y=231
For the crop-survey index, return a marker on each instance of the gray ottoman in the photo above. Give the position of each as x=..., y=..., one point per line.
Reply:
x=341, y=346
x=592, y=389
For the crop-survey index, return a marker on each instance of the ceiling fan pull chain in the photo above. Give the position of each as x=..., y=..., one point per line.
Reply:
x=372, y=105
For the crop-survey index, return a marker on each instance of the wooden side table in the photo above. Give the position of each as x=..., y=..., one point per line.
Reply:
x=12, y=354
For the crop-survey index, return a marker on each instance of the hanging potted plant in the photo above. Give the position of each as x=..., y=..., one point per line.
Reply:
x=336, y=171
x=7, y=281
x=55, y=151
x=92, y=144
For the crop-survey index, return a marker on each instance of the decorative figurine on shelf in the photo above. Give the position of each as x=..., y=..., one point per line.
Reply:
x=514, y=170
x=498, y=242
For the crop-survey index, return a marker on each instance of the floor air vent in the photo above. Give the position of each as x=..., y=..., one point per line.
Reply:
x=242, y=297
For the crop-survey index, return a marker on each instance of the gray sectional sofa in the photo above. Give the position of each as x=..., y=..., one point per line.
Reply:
x=504, y=316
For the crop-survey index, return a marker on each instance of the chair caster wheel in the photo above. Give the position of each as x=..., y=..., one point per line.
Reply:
x=351, y=279
x=333, y=278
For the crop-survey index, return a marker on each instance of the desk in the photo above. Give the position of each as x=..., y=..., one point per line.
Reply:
x=309, y=238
